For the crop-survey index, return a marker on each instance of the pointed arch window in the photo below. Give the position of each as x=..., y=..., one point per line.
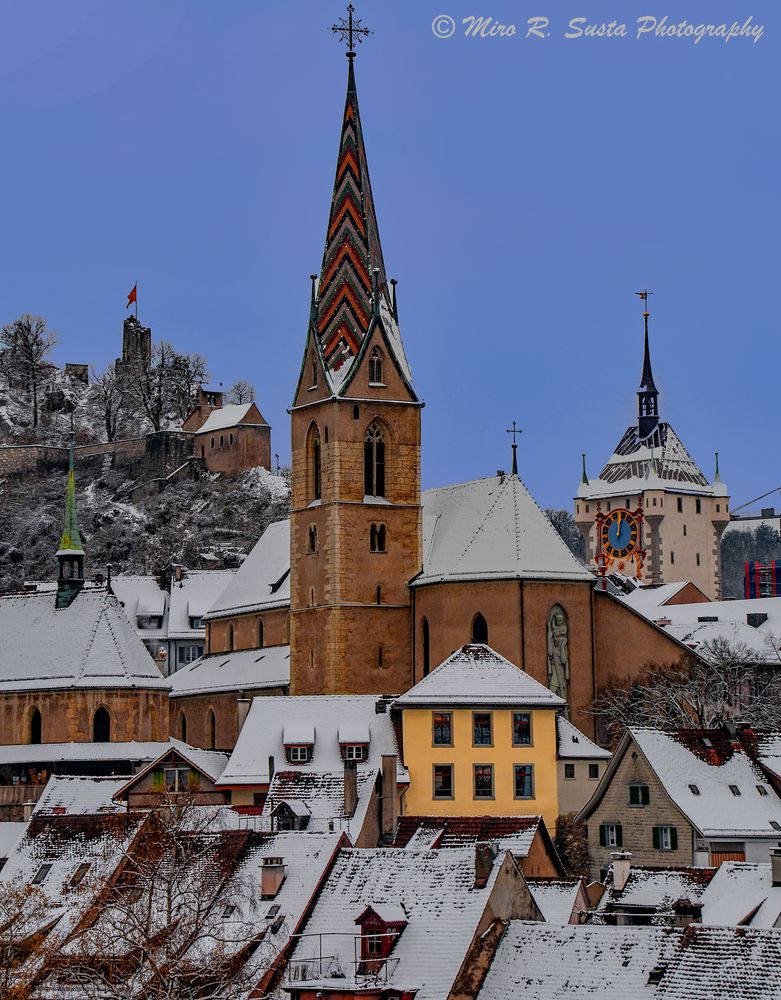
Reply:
x=231, y=639
x=426, y=652
x=374, y=461
x=183, y=727
x=377, y=538
x=35, y=726
x=314, y=373
x=211, y=729
x=260, y=633
x=312, y=538
x=101, y=726
x=316, y=466
x=479, y=629
x=375, y=367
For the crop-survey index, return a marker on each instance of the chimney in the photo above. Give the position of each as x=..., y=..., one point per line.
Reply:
x=242, y=710
x=27, y=813
x=775, y=867
x=272, y=875
x=485, y=855
x=350, y=788
x=390, y=812
x=622, y=866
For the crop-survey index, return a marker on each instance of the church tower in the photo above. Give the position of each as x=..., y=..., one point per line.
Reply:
x=651, y=470
x=70, y=554
x=356, y=517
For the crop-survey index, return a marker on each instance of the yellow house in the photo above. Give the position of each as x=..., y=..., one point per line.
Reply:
x=479, y=739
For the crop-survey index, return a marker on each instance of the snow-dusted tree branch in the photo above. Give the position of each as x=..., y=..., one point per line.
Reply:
x=165, y=385
x=26, y=343
x=25, y=914
x=107, y=399
x=722, y=685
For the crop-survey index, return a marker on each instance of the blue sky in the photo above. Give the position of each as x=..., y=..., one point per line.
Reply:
x=525, y=190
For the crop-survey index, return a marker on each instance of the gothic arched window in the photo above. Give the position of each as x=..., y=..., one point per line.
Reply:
x=231, y=638
x=312, y=538
x=479, y=629
x=182, y=727
x=211, y=729
x=101, y=726
x=374, y=461
x=316, y=484
x=375, y=367
x=426, y=654
x=35, y=726
x=260, y=633
x=377, y=538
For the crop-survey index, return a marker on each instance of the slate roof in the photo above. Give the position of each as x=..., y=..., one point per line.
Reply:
x=435, y=889
x=263, y=579
x=261, y=736
x=542, y=962
x=90, y=644
x=477, y=675
x=491, y=529
x=243, y=670
x=574, y=745
x=511, y=833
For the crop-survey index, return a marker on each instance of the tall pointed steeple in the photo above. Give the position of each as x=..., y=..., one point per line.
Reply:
x=352, y=260
x=70, y=554
x=647, y=395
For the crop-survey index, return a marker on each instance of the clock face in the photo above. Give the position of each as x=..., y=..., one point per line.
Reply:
x=619, y=534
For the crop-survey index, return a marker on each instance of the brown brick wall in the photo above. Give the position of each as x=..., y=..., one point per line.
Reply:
x=637, y=822
x=196, y=710
x=246, y=630
x=251, y=447
x=66, y=716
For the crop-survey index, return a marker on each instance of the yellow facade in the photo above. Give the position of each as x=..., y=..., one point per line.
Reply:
x=421, y=757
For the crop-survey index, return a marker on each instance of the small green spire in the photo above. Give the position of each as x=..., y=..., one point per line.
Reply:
x=584, y=477
x=717, y=477
x=71, y=538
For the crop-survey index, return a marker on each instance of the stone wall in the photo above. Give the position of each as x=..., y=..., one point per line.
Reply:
x=195, y=712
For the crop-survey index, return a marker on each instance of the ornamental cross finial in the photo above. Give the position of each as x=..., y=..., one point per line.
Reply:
x=515, y=431
x=350, y=30
x=644, y=297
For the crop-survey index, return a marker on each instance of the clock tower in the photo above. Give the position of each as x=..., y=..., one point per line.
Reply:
x=651, y=514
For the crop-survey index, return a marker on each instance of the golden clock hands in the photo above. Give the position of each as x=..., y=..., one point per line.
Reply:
x=618, y=524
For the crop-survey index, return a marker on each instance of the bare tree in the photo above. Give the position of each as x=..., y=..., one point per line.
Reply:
x=165, y=384
x=27, y=342
x=241, y=392
x=721, y=685
x=108, y=398
x=25, y=917
x=175, y=921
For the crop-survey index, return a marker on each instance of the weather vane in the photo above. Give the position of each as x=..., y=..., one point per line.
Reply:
x=350, y=30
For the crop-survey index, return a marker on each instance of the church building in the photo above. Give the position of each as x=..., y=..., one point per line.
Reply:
x=382, y=582
x=682, y=515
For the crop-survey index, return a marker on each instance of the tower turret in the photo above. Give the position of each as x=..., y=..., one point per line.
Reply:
x=70, y=554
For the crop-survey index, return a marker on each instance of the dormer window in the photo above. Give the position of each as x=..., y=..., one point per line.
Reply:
x=354, y=751
x=380, y=930
x=300, y=754
x=375, y=367
x=196, y=622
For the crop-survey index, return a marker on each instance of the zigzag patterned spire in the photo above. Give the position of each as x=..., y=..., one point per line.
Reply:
x=352, y=249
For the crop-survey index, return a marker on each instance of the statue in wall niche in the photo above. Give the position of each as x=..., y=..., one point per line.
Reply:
x=558, y=652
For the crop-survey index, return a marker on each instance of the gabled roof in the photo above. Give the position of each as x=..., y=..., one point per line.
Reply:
x=75, y=796
x=209, y=763
x=742, y=894
x=243, y=670
x=682, y=760
x=232, y=415
x=512, y=833
x=491, y=529
x=477, y=675
x=574, y=745
x=192, y=597
x=657, y=462
x=435, y=889
x=320, y=795
x=560, y=900
x=90, y=644
x=647, y=888
x=263, y=579
x=261, y=736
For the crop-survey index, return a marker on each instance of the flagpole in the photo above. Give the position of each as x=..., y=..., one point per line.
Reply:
x=136, y=302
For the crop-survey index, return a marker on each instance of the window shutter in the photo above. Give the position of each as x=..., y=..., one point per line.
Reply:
x=602, y=835
x=645, y=797
x=619, y=836
x=656, y=837
x=158, y=781
x=674, y=837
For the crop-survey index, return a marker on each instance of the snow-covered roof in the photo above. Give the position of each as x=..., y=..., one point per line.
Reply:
x=574, y=745
x=261, y=736
x=557, y=898
x=750, y=522
x=298, y=731
x=192, y=597
x=209, y=762
x=658, y=462
x=436, y=892
x=79, y=796
x=242, y=670
x=716, y=811
x=648, y=600
x=230, y=415
x=510, y=833
x=477, y=675
x=263, y=580
x=543, y=962
x=320, y=796
x=648, y=888
x=25, y=753
x=742, y=893
x=10, y=835
x=90, y=644
x=488, y=529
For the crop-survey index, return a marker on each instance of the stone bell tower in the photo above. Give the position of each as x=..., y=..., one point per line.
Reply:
x=356, y=517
